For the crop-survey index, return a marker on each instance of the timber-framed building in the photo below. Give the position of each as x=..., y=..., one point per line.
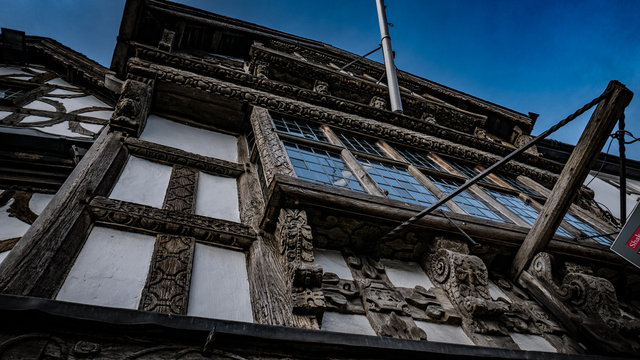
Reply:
x=221, y=190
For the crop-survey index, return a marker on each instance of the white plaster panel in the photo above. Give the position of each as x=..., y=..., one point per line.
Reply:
x=25, y=77
x=61, y=129
x=40, y=71
x=4, y=114
x=31, y=119
x=59, y=82
x=110, y=270
x=496, y=292
x=406, y=274
x=217, y=197
x=142, y=182
x=445, y=333
x=3, y=255
x=332, y=261
x=63, y=92
x=9, y=70
x=77, y=103
x=346, y=323
x=100, y=114
x=11, y=227
x=532, y=342
x=188, y=138
x=40, y=105
x=219, y=285
x=95, y=128
x=39, y=201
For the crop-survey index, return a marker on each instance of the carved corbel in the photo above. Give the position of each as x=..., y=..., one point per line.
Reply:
x=378, y=103
x=321, y=87
x=132, y=109
x=465, y=280
x=295, y=240
x=585, y=303
x=261, y=70
x=167, y=40
x=341, y=295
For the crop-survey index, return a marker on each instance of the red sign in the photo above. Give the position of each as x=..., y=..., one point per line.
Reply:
x=634, y=240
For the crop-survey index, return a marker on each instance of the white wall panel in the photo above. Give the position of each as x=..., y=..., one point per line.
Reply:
x=346, y=323
x=39, y=201
x=142, y=182
x=532, y=342
x=59, y=82
x=219, y=285
x=110, y=270
x=10, y=227
x=332, y=261
x=217, y=197
x=188, y=138
x=495, y=292
x=40, y=105
x=406, y=274
x=451, y=334
x=4, y=114
x=77, y=103
x=608, y=195
x=3, y=255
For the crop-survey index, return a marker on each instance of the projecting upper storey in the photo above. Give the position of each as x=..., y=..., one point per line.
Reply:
x=245, y=54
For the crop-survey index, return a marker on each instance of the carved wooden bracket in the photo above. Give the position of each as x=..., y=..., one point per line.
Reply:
x=132, y=109
x=272, y=153
x=586, y=304
x=321, y=87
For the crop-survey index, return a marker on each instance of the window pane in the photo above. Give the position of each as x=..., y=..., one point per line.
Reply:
x=360, y=144
x=399, y=183
x=527, y=212
x=320, y=166
x=466, y=169
x=299, y=128
x=467, y=201
x=588, y=229
x=419, y=159
x=10, y=93
x=511, y=180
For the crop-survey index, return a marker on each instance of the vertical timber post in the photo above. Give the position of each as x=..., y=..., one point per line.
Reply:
x=573, y=174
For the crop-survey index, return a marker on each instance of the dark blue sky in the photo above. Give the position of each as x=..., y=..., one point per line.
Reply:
x=548, y=57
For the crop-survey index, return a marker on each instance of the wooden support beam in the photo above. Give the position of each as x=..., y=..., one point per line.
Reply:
x=573, y=175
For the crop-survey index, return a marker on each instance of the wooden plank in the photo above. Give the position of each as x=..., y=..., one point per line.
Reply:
x=29, y=268
x=573, y=175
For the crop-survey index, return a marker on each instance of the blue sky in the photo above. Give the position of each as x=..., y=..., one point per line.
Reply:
x=547, y=57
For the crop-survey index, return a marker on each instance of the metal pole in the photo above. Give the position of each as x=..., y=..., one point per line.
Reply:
x=623, y=173
x=392, y=78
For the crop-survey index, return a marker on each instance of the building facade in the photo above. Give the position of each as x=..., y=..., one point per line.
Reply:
x=221, y=192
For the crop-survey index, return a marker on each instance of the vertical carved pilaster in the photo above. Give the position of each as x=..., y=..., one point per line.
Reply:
x=385, y=307
x=132, y=109
x=167, y=287
x=294, y=237
x=272, y=153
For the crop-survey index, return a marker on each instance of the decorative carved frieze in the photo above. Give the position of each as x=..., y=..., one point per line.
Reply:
x=170, y=156
x=436, y=141
x=167, y=287
x=341, y=295
x=141, y=218
x=584, y=303
x=132, y=109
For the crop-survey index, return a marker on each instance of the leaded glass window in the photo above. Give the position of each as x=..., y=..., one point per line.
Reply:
x=360, y=144
x=466, y=170
x=527, y=212
x=398, y=183
x=299, y=128
x=518, y=185
x=588, y=229
x=419, y=159
x=471, y=204
x=321, y=166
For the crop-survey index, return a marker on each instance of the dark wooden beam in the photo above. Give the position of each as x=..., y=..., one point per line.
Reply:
x=573, y=175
